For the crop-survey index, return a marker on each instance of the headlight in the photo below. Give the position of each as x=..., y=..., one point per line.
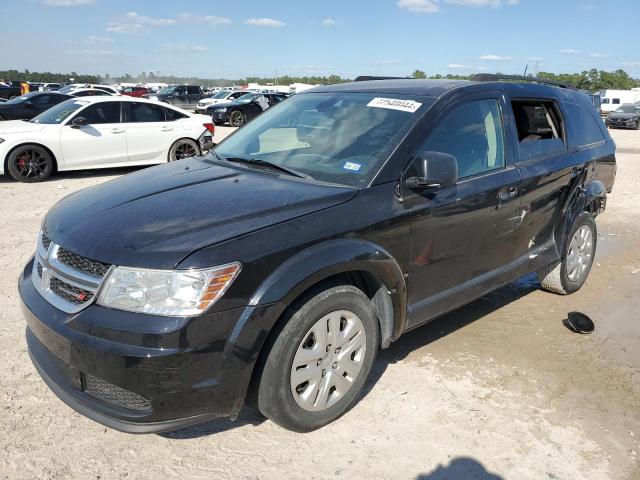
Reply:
x=220, y=110
x=166, y=292
x=1, y=140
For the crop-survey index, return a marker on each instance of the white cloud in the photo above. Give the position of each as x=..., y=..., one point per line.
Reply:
x=182, y=48
x=457, y=66
x=328, y=22
x=134, y=23
x=494, y=58
x=570, y=51
x=631, y=64
x=96, y=39
x=68, y=3
x=264, y=22
x=212, y=20
x=419, y=6
x=386, y=62
x=599, y=55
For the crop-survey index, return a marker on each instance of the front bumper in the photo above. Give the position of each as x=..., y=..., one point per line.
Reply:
x=140, y=373
x=622, y=123
x=219, y=117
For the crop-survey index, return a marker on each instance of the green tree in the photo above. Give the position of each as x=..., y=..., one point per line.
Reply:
x=418, y=74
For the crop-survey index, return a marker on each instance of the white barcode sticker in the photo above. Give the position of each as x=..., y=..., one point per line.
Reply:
x=395, y=104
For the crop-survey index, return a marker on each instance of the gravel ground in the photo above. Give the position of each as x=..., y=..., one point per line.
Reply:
x=498, y=389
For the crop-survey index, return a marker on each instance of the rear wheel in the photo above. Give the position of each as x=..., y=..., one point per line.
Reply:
x=320, y=360
x=237, y=119
x=30, y=164
x=183, y=148
x=568, y=275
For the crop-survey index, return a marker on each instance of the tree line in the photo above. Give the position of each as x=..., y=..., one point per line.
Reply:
x=591, y=80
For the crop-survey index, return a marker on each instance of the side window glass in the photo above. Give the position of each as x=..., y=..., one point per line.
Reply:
x=472, y=133
x=181, y=90
x=104, y=112
x=43, y=100
x=145, y=112
x=193, y=90
x=540, y=128
x=616, y=101
x=582, y=126
x=171, y=115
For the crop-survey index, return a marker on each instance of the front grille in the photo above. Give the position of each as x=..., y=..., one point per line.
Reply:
x=83, y=264
x=69, y=292
x=45, y=241
x=113, y=394
x=39, y=269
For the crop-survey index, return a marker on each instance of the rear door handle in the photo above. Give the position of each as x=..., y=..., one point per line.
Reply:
x=117, y=130
x=167, y=129
x=507, y=194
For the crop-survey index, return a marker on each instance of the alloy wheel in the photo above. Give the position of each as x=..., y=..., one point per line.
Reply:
x=184, y=149
x=580, y=252
x=31, y=163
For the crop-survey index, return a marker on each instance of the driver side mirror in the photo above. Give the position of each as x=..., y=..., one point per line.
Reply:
x=27, y=103
x=436, y=170
x=79, y=122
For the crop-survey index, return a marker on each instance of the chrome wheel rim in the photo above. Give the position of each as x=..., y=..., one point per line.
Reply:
x=328, y=361
x=31, y=163
x=580, y=253
x=184, y=150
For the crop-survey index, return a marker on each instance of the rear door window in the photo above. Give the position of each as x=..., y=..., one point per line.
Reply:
x=540, y=128
x=193, y=90
x=582, y=126
x=616, y=101
x=145, y=112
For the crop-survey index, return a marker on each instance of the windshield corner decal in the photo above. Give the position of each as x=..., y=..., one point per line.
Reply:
x=352, y=166
x=395, y=104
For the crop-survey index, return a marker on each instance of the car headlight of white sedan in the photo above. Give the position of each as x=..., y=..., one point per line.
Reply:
x=166, y=292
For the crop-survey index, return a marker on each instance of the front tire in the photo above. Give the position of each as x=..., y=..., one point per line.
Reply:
x=183, y=148
x=318, y=363
x=237, y=118
x=570, y=274
x=30, y=163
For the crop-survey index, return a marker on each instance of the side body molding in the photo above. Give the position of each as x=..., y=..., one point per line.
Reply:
x=333, y=257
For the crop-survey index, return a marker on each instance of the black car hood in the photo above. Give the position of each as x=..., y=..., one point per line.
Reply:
x=155, y=217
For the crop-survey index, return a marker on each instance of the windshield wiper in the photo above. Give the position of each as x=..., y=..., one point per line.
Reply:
x=263, y=163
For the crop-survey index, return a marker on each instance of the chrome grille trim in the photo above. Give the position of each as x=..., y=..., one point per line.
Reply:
x=47, y=266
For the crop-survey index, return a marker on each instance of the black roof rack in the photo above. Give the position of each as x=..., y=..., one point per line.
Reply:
x=365, y=78
x=490, y=77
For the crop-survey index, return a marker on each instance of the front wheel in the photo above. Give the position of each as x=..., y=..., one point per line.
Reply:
x=30, y=164
x=570, y=274
x=236, y=119
x=183, y=148
x=320, y=360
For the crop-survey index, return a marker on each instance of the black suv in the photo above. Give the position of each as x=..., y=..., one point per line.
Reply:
x=182, y=96
x=275, y=267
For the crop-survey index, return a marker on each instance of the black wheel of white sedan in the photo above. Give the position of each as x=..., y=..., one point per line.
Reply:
x=30, y=164
x=183, y=148
x=568, y=275
x=320, y=360
x=236, y=119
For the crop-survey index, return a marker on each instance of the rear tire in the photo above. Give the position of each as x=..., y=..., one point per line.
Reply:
x=569, y=275
x=303, y=393
x=30, y=163
x=183, y=148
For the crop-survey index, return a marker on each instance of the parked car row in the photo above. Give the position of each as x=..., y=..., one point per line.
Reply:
x=98, y=132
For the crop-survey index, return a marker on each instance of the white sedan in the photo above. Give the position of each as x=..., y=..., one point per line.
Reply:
x=100, y=132
x=222, y=96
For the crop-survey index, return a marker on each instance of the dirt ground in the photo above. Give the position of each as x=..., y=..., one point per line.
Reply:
x=497, y=390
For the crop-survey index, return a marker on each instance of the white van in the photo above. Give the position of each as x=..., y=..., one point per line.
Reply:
x=612, y=99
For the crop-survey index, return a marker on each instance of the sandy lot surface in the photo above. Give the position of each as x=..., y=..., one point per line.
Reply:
x=498, y=389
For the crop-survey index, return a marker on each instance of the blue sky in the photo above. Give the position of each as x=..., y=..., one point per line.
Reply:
x=225, y=39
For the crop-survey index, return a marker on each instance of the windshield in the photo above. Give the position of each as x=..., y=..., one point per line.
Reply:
x=341, y=138
x=21, y=98
x=247, y=98
x=628, y=109
x=221, y=95
x=167, y=90
x=58, y=113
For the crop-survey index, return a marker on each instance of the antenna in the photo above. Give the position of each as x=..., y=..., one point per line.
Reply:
x=525, y=70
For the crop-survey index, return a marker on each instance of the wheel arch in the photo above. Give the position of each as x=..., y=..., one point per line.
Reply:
x=360, y=263
x=5, y=162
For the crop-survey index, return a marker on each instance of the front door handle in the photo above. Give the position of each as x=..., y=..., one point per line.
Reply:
x=117, y=130
x=507, y=194
x=167, y=129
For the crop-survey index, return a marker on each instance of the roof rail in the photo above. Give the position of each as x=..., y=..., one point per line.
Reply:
x=489, y=77
x=365, y=78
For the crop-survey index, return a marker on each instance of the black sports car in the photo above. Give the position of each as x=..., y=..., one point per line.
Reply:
x=626, y=116
x=244, y=109
x=27, y=106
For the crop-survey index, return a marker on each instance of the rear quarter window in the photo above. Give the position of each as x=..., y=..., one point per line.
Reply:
x=582, y=126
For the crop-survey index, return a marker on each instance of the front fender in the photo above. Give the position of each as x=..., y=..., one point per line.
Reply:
x=324, y=260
